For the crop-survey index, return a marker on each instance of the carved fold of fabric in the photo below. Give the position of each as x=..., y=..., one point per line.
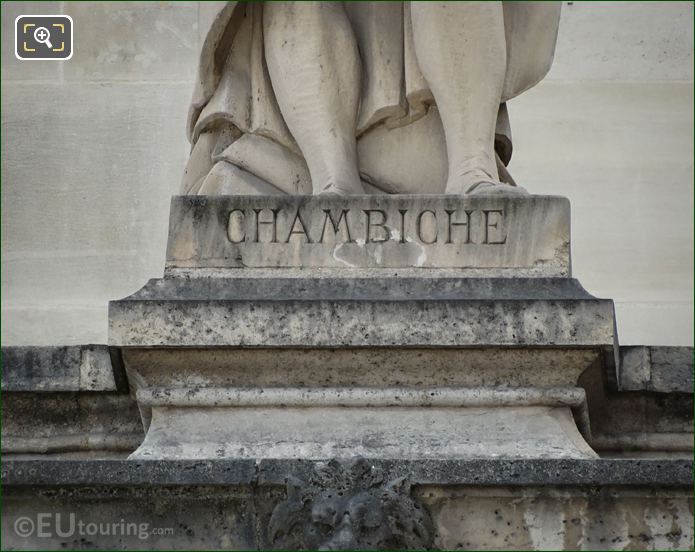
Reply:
x=394, y=92
x=244, y=95
x=234, y=91
x=378, y=28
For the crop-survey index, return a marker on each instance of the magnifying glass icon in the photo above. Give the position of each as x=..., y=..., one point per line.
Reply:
x=43, y=36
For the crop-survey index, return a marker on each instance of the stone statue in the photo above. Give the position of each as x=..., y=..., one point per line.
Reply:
x=363, y=97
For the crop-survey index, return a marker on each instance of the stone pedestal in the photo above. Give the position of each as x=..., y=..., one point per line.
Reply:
x=412, y=327
x=353, y=373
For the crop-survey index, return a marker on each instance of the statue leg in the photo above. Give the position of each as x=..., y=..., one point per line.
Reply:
x=461, y=51
x=314, y=66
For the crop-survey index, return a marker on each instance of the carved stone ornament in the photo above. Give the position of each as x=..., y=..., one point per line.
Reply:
x=349, y=506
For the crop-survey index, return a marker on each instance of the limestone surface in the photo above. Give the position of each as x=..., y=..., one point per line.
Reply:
x=504, y=235
x=285, y=91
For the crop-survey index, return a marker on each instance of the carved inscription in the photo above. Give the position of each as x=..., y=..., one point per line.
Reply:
x=507, y=235
x=427, y=226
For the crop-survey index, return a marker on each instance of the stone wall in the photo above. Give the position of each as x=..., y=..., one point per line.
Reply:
x=217, y=504
x=94, y=147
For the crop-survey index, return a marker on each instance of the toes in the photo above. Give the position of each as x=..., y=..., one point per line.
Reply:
x=484, y=187
x=338, y=189
x=491, y=188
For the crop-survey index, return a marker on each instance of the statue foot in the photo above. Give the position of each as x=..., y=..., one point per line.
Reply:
x=485, y=187
x=496, y=188
x=341, y=189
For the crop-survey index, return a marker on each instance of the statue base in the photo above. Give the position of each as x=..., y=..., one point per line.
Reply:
x=257, y=344
x=302, y=388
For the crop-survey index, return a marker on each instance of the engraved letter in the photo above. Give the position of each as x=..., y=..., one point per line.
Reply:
x=451, y=224
x=494, y=225
x=336, y=225
x=273, y=223
x=381, y=225
x=419, y=227
x=403, y=213
x=302, y=231
x=235, y=226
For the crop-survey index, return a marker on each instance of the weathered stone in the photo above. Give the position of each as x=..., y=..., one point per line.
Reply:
x=377, y=402
x=479, y=518
x=229, y=504
x=133, y=518
x=657, y=369
x=391, y=312
x=349, y=506
x=104, y=424
x=635, y=368
x=85, y=407
x=672, y=369
x=519, y=236
x=374, y=367
x=194, y=409
x=637, y=422
x=645, y=472
x=70, y=368
x=313, y=431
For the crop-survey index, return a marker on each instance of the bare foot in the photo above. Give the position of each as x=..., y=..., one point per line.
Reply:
x=478, y=182
x=341, y=188
x=495, y=188
x=466, y=177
